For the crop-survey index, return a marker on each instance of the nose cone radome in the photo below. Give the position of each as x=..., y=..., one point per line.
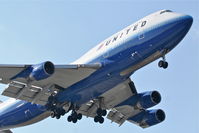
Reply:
x=180, y=25
x=187, y=21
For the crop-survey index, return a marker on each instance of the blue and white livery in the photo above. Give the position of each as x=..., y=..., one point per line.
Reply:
x=97, y=82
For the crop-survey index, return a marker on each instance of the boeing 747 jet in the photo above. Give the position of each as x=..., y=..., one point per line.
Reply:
x=98, y=84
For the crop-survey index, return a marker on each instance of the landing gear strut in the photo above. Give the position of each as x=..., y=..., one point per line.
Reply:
x=56, y=110
x=163, y=63
x=99, y=117
x=100, y=113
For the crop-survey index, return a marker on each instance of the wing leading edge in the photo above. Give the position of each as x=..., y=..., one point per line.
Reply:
x=38, y=91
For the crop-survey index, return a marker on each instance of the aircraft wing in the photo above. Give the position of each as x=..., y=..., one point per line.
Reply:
x=111, y=99
x=122, y=109
x=39, y=91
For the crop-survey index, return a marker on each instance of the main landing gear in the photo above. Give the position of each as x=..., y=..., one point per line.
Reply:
x=57, y=113
x=74, y=117
x=56, y=110
x=100, y=112
x=162, y=63
x=99, y=117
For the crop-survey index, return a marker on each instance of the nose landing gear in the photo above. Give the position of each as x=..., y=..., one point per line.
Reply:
x=163, y=63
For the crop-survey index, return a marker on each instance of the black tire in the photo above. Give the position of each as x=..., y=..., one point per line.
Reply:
x=62, y=112
x=74, y=120
x=104, y=112
x=161, y=63
x=165, y=65
x=69, y=118
x=58, y=116
x=99, y=111
x=96, y=119
x=79, y=116
x=101, y=120
x=52, y=114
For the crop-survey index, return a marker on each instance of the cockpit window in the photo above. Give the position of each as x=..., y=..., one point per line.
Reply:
x=165, y=11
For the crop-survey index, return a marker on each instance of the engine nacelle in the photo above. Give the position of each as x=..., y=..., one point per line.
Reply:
x=143, y=100
x=42, y=71
x=149, y=118
x=148, y=99
x=37, y=72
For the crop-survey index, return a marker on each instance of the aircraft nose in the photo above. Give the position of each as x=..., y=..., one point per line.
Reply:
x=180, y=25
x=187, y=20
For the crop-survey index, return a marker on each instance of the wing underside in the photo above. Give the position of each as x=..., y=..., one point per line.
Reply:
x=122, y=101
x=39, y=91
x=123, y=105
x=111, y=99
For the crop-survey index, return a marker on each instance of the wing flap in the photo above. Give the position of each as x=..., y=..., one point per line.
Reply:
x=120, y=114
x=116, y=116
x=39, y=91
x=21, y=91
x=110, y=99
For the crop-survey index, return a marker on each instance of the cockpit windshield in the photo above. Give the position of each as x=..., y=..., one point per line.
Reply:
x=165, y=11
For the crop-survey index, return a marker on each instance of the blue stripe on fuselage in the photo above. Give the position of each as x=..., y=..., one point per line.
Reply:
x=19, y=112
x=108, y=76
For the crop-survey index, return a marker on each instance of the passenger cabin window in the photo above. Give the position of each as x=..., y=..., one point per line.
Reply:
x=165, y=11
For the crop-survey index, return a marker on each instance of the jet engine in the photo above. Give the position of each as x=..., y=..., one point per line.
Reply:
x=37, y=72
x=148, y=99
x=42, y=71
x=149, y=118
x=143, y=100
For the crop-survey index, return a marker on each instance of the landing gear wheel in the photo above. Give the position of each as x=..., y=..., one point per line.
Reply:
x=104, y=112
x=96, y=119
x=101, y=112
x=74, y=120
x=58, y=116
x=160, y=63
x=165, y=65
x=52, y=114
x=61, y=111
x=74, y=117
x=101, y=120
x=69, y=118
x=79, y=116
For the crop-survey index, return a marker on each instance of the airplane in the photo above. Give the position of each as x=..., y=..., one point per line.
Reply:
x=98, y=84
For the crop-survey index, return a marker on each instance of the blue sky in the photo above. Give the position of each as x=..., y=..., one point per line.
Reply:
x=33, y=31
